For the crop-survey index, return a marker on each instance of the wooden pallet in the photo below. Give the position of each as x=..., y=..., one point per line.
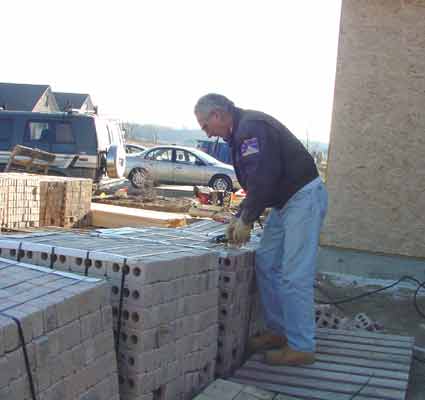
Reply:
x=349, y=365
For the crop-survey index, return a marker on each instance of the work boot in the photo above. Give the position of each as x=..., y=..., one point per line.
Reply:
x=287, y=356
x=266, y=341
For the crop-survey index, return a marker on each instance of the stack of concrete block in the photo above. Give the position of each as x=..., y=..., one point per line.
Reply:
x=19, y=200
x=65, y=201
x=228, y=390
x=239, y=309
x=168, y=327
x=66, y=322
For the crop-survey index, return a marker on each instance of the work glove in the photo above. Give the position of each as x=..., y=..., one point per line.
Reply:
x=231, y=228
x=241, y=233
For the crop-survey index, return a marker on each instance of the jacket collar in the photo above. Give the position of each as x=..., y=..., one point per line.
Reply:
x=236, y=116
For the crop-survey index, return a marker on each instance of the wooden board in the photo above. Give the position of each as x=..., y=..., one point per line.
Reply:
x=373, y=365
x=109, y=216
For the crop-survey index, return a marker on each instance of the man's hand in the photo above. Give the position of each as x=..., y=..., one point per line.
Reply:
x=231, y=228
x=241, y=233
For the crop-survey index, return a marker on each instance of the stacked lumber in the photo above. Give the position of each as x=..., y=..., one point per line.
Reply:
x=67, y=336
x=28, y=200
x=65, y=201
x=19, y=200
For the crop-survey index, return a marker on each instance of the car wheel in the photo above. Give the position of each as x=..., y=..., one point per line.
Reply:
x=221, y=182
x=138, y=177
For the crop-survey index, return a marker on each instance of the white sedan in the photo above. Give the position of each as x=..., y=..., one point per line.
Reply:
x=179, y=165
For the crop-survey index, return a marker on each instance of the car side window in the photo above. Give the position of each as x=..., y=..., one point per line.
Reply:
x=159, y=155
x=183, y=156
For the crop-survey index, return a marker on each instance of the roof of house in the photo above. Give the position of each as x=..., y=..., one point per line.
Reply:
x=70, y=100
x=21, y=96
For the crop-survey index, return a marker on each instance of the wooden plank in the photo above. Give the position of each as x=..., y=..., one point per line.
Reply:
x=109, y=216
x=365, y=334
x=329, y=386
x=327, y=374
x=367, y=341
x=377, y=365
x=368, y=355
x=364, y=347
x=344, y=364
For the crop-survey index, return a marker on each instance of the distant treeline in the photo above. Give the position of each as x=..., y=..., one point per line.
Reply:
x=188, y=137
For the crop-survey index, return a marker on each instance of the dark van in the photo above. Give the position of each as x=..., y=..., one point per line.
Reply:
x=85, y=145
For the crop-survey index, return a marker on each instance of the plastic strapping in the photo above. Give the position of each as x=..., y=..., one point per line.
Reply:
x=86, y=264
x=24, y=350
x=123, y=274
x=52, y=258
x=18, y=252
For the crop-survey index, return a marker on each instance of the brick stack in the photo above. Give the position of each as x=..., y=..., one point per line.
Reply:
x=168, y=330
x=19, y=201
x=65, y=201
x=67, y=329
x=169, y=327
x=37, y=200
x=239, y=311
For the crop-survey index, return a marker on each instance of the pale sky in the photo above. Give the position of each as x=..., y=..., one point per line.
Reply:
x=149, y=61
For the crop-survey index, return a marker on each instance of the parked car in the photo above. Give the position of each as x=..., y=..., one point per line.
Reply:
x=134, y=149
x=180, y=165
x=85, y=145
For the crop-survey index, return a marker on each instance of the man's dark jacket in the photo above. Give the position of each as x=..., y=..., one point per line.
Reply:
x=271, y=164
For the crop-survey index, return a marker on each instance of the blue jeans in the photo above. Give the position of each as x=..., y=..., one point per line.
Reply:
x=286, y=263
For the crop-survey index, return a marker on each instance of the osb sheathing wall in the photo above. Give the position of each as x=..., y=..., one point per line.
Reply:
x=376, y=170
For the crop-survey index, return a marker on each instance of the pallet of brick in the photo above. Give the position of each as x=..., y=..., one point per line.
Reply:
x=19, y=200
x=65, y=201
x=240, y=309
x=66, y=350
x=164, y=298
x=28, y=201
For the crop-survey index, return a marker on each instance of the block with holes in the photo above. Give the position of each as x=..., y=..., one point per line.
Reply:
x=66, y=349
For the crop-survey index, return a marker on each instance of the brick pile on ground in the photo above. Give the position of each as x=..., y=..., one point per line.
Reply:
x=67, y=336
x=28, y=200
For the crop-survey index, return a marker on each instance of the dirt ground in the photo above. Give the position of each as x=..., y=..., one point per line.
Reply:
x=393, y=310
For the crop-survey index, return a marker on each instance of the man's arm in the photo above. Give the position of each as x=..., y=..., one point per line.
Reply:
x=261, y=161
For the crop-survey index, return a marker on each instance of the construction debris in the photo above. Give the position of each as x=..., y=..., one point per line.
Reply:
x=56, y=339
